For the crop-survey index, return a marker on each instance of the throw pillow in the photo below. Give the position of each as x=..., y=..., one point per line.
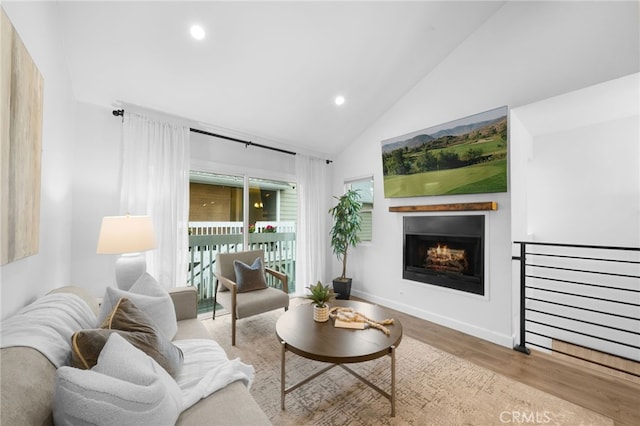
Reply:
x=137, y=328
x=149, y=296
x=126, y=387
x=249, y=278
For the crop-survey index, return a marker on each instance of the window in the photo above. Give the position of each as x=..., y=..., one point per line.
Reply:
x=364, y=186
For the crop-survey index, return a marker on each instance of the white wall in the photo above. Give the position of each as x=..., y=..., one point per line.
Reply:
x=96, y=193
x=581, y=166
x=527, y=51
x=26, y=279
x=96, y=183
x=224, y=156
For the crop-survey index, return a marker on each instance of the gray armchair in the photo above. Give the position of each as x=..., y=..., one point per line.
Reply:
x=249, y=303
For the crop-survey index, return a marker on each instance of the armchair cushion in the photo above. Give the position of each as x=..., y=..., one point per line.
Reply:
x=249, y=278
x=256, y=302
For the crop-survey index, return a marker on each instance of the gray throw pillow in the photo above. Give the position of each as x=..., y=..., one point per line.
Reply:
x=249, y=278
x=149, y=296
x=135, y=326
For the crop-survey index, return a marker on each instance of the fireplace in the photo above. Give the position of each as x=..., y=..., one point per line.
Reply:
x=446, y=251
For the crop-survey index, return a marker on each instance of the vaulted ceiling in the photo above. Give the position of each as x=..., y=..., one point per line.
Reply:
x=269, y=70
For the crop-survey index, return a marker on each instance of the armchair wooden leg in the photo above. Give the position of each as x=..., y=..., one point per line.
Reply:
x=215, y=299
x=233, y=328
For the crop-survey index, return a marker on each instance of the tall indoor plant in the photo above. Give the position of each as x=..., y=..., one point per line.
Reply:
x=344, y=234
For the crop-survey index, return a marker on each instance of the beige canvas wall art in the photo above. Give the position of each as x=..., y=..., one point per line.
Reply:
x=21, y=94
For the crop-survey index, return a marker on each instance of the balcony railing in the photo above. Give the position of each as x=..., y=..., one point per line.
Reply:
x=575, y=299
x=206, y=239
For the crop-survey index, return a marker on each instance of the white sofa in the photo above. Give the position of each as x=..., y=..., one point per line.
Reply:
x=27, y=378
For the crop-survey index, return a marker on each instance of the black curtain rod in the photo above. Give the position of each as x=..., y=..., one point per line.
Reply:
x=246, y=143
x=120, y=113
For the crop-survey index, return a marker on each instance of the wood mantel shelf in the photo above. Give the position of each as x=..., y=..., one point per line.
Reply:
x=458, y=207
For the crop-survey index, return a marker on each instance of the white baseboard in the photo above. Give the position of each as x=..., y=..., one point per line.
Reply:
x=481, y=333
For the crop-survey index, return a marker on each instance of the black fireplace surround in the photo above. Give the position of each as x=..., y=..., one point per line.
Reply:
x=446, y=251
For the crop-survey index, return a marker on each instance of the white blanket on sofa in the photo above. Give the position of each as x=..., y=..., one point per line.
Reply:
x=47, y=326
x=127, y=387
x=207, y=369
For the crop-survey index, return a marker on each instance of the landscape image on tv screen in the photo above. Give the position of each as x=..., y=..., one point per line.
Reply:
x=465, y=156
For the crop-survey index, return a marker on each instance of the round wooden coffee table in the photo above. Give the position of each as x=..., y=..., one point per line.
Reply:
x=300, y=334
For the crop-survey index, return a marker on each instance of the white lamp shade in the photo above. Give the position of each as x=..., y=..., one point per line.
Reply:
x=126, y=234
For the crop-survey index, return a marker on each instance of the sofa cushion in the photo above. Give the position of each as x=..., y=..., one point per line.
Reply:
x=232, y=405
x=249, y=278
x=149, y=296
x=126, y=387
x=136, y=327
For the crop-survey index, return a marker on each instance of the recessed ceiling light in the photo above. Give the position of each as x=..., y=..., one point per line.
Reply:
x=197, y=32
x=339, y=100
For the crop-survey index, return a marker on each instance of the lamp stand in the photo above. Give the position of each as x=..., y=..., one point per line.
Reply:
x=129, y=267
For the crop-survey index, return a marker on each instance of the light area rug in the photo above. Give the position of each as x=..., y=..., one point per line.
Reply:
x=433, y=387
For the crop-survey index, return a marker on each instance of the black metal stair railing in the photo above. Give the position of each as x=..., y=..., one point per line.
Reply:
x=587, y=296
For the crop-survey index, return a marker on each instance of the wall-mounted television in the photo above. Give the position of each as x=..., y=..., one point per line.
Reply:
x=464, y=156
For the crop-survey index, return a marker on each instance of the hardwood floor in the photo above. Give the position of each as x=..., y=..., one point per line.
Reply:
x=616, y=398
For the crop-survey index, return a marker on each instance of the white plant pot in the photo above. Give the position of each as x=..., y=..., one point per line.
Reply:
x=321, y=314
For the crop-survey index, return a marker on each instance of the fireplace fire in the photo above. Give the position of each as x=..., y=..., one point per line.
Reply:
x=442, y=258
x=447, y=251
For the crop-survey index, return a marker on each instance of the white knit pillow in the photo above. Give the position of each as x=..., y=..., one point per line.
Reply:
x=126, y=387
x=150, y=297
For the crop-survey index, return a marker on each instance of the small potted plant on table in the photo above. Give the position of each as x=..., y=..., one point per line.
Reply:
x=320, y=295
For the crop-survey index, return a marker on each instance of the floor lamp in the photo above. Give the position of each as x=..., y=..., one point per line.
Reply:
x=128, y=236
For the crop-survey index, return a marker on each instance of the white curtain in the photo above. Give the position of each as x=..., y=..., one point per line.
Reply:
x=312, y=177
x=155, y=182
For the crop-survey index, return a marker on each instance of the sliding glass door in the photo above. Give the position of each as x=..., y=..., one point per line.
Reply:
x=230, y=213
x=272, y=212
